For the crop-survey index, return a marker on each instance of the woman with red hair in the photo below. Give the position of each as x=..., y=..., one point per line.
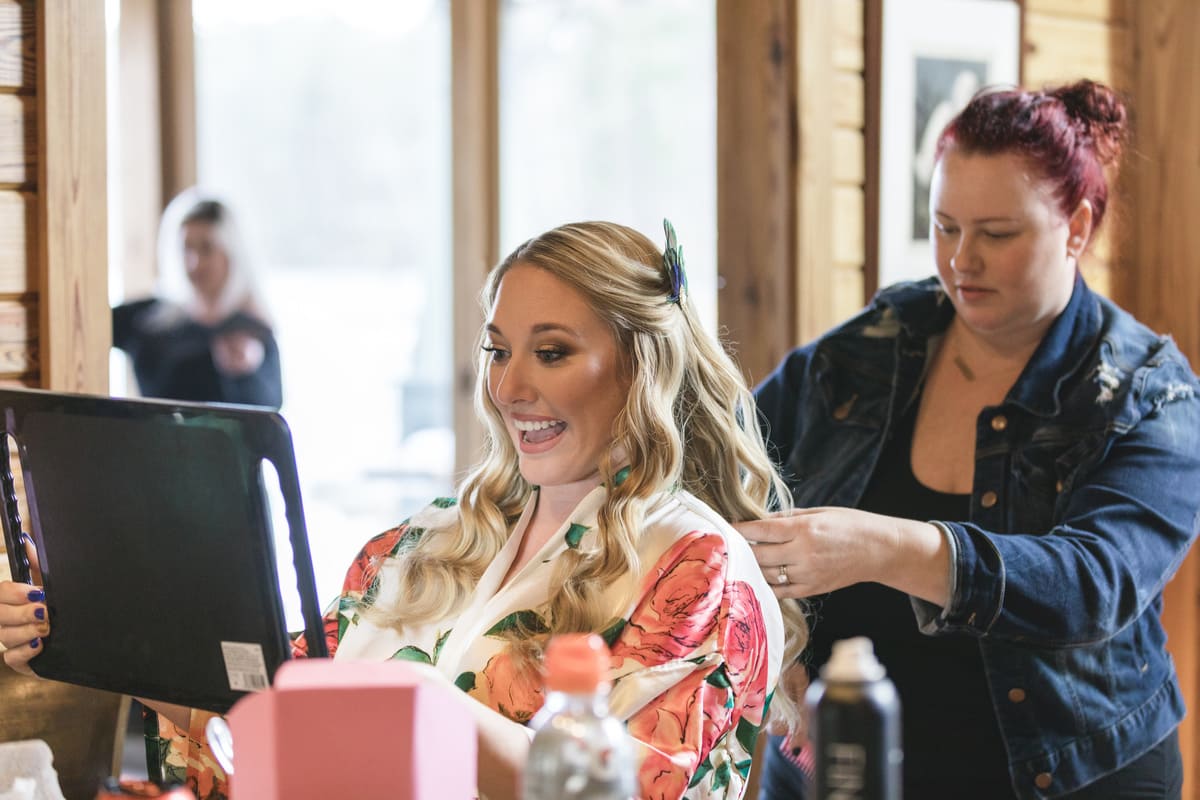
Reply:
x=996, y=472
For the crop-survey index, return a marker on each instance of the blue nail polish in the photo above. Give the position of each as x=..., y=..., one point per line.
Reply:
x=36, y=595
x=34, y=644
x=39, y=613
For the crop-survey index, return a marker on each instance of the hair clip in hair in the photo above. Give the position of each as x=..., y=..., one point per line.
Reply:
x=673, y=261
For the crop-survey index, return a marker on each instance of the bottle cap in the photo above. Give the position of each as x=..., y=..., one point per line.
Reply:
x=853, y=661
x=576, y=663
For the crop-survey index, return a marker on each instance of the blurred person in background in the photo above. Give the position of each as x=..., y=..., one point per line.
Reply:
x=205, y=335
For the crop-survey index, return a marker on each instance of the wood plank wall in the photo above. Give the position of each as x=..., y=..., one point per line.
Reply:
x=74, y=319
x=757, y=180
x=831, y=230
x=849, y=161
x=1157, y=276
x=19, y=227
x=18, y=209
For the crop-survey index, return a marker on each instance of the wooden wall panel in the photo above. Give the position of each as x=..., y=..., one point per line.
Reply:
x=816, y=214
x=848, y=99
x=139, y=158
x=848, y=227
x=850, y=161
x=18, y=243
x=1058, y=49
x=1117, y=11
x=848, y=35
x=18, y=149
x=18, y=340
x=756, y=179
x=177, y=95
x=17, y=53
x=848, y=290
x=476, y=175
x=849, y=165
x=74, y=320
x=18, y=140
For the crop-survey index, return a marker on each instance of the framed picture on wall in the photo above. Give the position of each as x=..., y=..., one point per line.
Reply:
x=936, y=54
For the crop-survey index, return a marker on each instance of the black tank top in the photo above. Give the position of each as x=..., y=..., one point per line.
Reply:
x=952, y=743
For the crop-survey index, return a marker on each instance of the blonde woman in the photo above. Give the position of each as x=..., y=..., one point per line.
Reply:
x=621, y=442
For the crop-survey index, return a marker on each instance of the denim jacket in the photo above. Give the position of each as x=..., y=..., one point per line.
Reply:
x=1084, y=504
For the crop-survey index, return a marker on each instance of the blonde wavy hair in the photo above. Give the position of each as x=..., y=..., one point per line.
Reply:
x=690, y=421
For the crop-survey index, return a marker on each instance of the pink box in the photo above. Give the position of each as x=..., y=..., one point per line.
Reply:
x=346, y=729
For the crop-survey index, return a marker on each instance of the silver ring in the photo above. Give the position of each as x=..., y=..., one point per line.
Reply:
x=782, y=577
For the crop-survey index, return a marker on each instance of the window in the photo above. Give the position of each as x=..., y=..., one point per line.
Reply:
x=328, y=128
x=327, y=125
x=608, y=111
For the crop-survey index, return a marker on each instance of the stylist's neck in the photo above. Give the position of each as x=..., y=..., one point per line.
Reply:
x=1015, y=345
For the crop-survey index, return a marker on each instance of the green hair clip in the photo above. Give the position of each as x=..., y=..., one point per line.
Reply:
x=673, y=261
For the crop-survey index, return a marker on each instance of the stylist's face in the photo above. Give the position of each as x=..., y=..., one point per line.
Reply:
x=556, y=376
x=205, y=259
x=1005, y=252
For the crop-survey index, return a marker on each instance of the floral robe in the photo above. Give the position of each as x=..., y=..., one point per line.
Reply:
x=696, y=654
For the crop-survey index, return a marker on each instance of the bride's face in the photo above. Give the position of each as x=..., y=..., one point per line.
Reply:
x=556, y=376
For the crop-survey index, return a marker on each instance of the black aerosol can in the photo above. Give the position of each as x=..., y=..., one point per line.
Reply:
x=854, y=721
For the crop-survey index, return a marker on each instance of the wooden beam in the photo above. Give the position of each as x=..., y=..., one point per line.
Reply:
x=177, y=95
x=816, y=229
x=475, y=120
x=872, y=119
x=75, y=329
x=756, y=180
x=139, y=169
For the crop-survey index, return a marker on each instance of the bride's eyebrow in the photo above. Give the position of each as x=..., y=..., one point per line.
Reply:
x=543, y=327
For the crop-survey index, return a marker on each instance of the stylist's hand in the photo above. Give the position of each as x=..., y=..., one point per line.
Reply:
x=804, y=552
x=812, y=551
x=24, y=621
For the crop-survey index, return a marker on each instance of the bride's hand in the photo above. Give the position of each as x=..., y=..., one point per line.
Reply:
x=24, y=622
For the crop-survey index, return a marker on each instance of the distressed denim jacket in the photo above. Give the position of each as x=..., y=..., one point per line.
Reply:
x=1085, y=501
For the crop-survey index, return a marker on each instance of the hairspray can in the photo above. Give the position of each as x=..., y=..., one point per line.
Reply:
x=854, y=721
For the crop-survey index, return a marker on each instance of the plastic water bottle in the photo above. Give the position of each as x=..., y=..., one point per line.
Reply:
x=854, y=719
x=579, y=752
